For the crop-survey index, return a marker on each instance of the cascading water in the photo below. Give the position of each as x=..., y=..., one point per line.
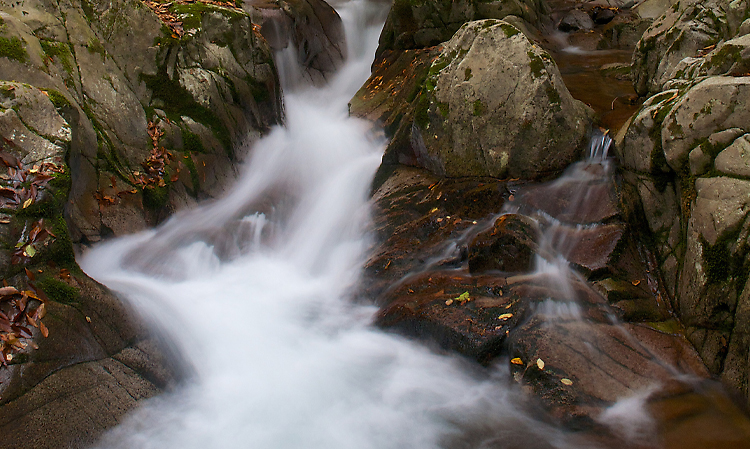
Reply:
x=255, y=298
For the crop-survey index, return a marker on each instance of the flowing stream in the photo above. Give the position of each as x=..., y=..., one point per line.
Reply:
x=255, y=297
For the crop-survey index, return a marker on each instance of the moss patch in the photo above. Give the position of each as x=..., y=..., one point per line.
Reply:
x=479, y=108
x=59, y=291
x=13, y=49
x=57, y=99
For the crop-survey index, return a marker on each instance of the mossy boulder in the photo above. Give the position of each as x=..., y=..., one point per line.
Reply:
x=492, y=104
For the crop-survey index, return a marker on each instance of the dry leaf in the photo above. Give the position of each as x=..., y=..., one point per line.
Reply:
x=448, y=302
x=540, y=364
x=43, y=329
x=566, y=381
x=505, y=316
x=27, y=203
x=636, y=282
x=516, y=361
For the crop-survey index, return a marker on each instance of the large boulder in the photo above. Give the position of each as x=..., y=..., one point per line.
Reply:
x=491, y=104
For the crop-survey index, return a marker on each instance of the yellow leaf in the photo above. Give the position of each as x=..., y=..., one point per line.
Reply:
x=540, y=363
x=27, y=203
x=448, y=302
x=505, y=316
x=516, y=361
x=463, y=297
x=565, y=381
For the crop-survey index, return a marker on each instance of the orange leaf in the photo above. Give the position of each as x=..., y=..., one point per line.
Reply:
x=43, y=328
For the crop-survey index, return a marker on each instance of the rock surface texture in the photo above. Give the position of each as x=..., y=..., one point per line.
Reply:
x=685, y=160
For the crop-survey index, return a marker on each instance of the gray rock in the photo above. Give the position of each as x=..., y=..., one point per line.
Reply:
x=576, y=20
x=735, y=159
x=495, y=105
x=680, y=32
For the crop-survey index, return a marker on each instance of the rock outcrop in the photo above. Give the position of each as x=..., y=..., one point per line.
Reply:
x=113, y=115
x=685, y=161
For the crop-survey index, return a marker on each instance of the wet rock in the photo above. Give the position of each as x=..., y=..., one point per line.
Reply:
x=459, y=312
x=576, y=20
x=591, y=249
x=735, y=159
x=603, y=16
x=505, y=122
x=510, y=245
x=105, y=75
x=311, y=27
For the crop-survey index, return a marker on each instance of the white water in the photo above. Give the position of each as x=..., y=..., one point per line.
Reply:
x=255, y=298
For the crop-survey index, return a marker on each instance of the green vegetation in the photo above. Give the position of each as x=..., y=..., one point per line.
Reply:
x=59, y=50
x=13, y=49
x=57, y=99
x=59, y=291
x=510, y=30
x=178, y=102
x=479, y=108
x=95, y=46
x=536, y=64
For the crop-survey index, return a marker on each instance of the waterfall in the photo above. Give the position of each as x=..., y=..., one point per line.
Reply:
x=255, y=298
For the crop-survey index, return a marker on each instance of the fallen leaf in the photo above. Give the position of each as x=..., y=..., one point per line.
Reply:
x=505, y=316
x=540, y=364
x=29, y=274
x=7, y=291
x=27, y=203
x=516, y=361
x=636, y=282
x=44, y=330
x=566, y=381
x=448, y=302
x=463, y=297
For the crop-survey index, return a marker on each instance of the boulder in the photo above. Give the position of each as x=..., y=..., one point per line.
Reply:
x=492, y=104
x=576, y=20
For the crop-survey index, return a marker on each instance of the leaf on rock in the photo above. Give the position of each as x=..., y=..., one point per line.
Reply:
x=540, y=364
x=516, y=361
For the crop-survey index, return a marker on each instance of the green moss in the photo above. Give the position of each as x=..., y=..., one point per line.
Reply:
x=716, y=261
x=467, y=74
x=57, y=99
x=479, y=108
x=95, y=46
x=155, y=198
x=191, y=14
x=13, y=49
x=536, y=64
x=553, y=95
x=194, y=178
x=510, y=30
x=59, y=291
x=178, y=102
x=421, y=116
x=191, y=142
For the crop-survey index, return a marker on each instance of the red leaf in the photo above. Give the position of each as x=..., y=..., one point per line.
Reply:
x=29, y=274
x=43, y=328
x=22, y=331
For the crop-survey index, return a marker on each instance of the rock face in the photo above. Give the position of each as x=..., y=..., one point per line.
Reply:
x=111, y=68
x=685, y=155
x=112, y=114
x=686, y=28
x=311, y=29
x=420, y=24
x=491, y=104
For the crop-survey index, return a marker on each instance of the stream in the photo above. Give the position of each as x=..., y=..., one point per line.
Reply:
x=255, y=294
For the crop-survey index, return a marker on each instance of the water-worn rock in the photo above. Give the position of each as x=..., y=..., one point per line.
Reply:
x=478, y=114
x=686, y=154
x=311, y=29
x=510, y=245
x=682, y=31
